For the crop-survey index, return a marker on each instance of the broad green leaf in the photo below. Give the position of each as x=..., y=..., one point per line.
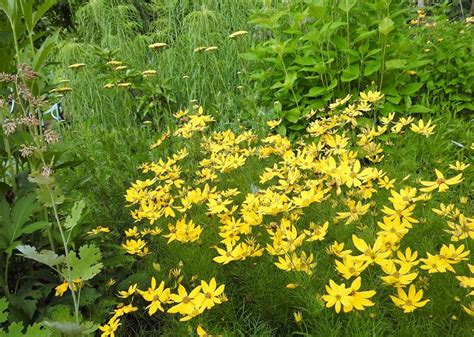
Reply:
x=35, y=226
x=350, y=73
x=293, y=115
x=290, y=80
x=419, y=108
x=43, y=52
x=46, y=257
x=371, y=67
x=305, y=60
x=346, y=5
x=395, y=64
x=21, y=212
x=42, y=9
x=71, y=328
x=316, y=91
x=76, y=212
x=386, y=25
x=87, y=264
x=410, y=89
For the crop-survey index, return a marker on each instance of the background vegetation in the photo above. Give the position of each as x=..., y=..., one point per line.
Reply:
x=297, y=57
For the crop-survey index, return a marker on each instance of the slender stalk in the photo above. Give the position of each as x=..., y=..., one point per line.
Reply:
x=66, y=253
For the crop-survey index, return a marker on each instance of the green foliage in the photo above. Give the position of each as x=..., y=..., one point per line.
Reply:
x=17, y=329
x=87, y=264
x=313, y=53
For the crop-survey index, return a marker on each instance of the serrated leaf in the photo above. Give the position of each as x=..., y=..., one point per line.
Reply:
x=73, y=219
x=46, y=257
x=87, y=264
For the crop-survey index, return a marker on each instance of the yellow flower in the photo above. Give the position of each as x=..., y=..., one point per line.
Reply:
x=210, y=49
x=298, y=315
x=442, y=184
x=202, y=333
x=422, y=128
x=129, y=292
x=149, y=73
x=459, y=166
x=211, y=293
x=338, y=296
x=292, y=285
x=109, y=86
x=108, y=330
x=469, y=309
x=371, y=96
x=61, y=289
x=114, y=63
x=199, y=49
x=98, y=230
x=238, y=33
x=411, y=72
x=124, y=85
x=77, y=65
x=157, y=296
x=274, y=123
x=157, y=45
x=409, y=301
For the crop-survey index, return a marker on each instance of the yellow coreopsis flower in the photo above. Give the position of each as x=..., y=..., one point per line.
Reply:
x=410, y=301
x=274, y=123
x=422, y=128
x=371, y=96
x=157, y=45
x=238, y=33
x=98, y=230
x=211, y=293
x=442, y=184
x=129, y=292
x=338, y=296
x=156, y=296
x=459, y=166
x=109, y=329
x=77, y=66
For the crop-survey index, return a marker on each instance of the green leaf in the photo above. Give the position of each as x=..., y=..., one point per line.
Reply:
x=46, y=257
x=3, y=310
x=346, y=5
x=371, y=67
x=350, y=73
x=43, y=52
x=386, y=25
x=290, y=80
x=72, y=328
x=410, y=89
x=292, y=115
x=305, y=60
x=35, y=226
x=395, y=64
x=20, y=213
x=316, y=91
x=87, y=264
x=42, y=9
x=76, y=212
x=419, y=108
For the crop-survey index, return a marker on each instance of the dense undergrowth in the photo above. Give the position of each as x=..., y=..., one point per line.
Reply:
x=236, y=168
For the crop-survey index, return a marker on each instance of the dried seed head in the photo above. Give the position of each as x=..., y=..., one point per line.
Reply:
x=47, y=170
x=51, y=137
x=27, y=72
x=26, y=150
x=9, y=127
